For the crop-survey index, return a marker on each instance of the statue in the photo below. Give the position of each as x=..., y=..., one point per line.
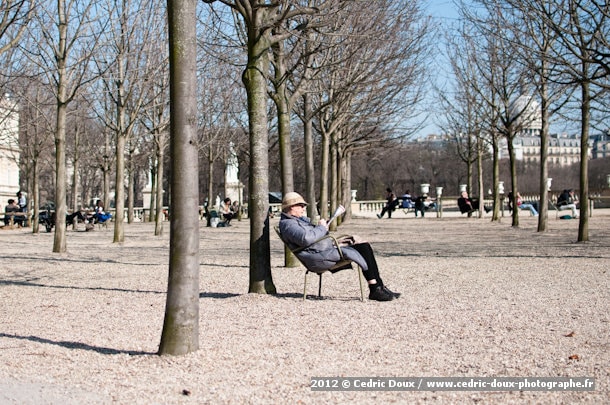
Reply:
x=232, y=166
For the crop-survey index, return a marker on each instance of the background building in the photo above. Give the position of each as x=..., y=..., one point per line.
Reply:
x=9, y=150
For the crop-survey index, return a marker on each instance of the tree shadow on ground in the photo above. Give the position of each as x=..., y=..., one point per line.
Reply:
x=71, y=287
x=76, y=345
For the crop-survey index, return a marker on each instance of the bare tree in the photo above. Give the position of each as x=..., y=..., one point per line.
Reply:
x=61, y=42
x=372, y=79
x=124, y=66
x=156, y=120
x=581, y=28
x=14, y=17
x=505, y=92
x=262, y=29
x=464, y=111
x=181, y=326
x=36, y=140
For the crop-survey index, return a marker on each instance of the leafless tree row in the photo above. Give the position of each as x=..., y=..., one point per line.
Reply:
x=511, y=58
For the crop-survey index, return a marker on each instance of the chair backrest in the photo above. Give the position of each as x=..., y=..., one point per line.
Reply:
x=340, y=265
x=279, y=234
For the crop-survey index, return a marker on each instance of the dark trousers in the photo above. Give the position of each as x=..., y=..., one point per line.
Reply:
x=387, y=209
x=366, y=251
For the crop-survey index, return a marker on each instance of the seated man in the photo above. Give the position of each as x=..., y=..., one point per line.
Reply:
x=526, y=206
x=298, y=231
x=469, y=205
x=390, y=205
x=75, y=215
x=567, y=201
x=10, y=213
x=466, y=204
x=407, y=200
x=100, y=216
x=420, y=204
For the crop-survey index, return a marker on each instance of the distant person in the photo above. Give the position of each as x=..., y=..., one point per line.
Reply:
x=469, y=205
x=567, y=201
x=466, y=204
x=9, y=213
x=407, y=200
x=22, y=202
x=526, y=206
x=23, y=206
x=390, y=205
x=100, y=216
x=420, y=204
x=235, y=208
x=226, y=212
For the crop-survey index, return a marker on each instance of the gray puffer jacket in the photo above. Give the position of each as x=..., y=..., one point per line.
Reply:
x=298, y=232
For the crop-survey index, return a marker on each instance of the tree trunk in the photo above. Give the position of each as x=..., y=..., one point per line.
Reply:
x=346, y=185
x=310, y=173
x=255, y=83
x=106, y=170
x=130, y=188
x=59, y=240
x=583, y=221
x=119, y=196
x=480, y=182
x=181, y=324
x=35, y=200
x=153, y=187
x=324, y=175
x=159, y=193
x=334, y=181
x=495, y=164
x=513, y=180
x=75, y=174
x=283, y=124
x=543, y=212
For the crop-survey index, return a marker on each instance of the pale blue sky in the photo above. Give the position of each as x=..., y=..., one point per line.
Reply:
x=445, y=12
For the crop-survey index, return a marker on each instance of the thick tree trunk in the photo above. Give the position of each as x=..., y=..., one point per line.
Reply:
x=59, y=239
x=258, y=205
x=181, y=324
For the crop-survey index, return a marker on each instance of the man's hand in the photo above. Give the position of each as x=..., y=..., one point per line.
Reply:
x=323, y=222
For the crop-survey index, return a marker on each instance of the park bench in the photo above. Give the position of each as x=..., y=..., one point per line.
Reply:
x=11, y=218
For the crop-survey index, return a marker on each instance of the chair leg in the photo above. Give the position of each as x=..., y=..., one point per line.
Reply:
x=319, y=285
x=305, y=286
x=359, y=271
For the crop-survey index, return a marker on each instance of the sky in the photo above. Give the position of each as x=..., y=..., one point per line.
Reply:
x=444, y=11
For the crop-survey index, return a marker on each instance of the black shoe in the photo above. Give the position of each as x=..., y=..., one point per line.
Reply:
x=395, y=294
x=380, y=294
x=378, y=216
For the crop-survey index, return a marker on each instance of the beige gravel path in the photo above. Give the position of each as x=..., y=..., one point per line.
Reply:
x=480, y=299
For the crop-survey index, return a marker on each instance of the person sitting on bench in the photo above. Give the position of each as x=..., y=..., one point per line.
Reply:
x=469, y=205
x=526, y=205
x=567, y=201
x=407, y=200
x=466, y=204
x=9, y=213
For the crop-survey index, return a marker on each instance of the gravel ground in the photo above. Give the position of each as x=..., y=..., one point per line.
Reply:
x=480, y=299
